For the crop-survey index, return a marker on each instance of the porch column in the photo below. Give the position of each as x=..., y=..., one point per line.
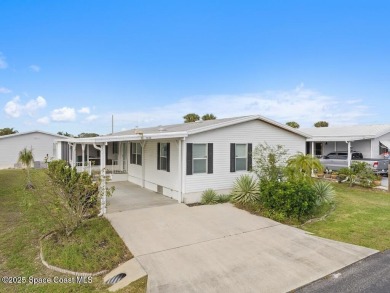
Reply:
x=335, y=146
x=69, y=153
x=312, y=149
x=179, y=166
x=83, y=157
x=103, y=177
x=349, y=153
x=103, y=191
x=143, y=144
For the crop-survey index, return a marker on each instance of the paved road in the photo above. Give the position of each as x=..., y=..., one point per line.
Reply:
x=369, y=275
x=223, y=249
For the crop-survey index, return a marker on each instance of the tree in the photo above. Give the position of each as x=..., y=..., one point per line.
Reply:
x=26, y=158
x=7, y=131
x=301, y=165
x=208, y=117
x=270, y=162
x=191, y=117
x=64, y=133
x=293, y=124
x=85, y=134
x=321, y=124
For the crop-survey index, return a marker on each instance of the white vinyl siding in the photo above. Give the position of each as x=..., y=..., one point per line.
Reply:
x=254, y=132
x=170, y=181
x=40, y=143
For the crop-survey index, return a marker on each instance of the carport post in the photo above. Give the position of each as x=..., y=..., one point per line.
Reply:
x=83, y=157
x=388, y=180
x=349, y=153
x=103, y=190
x=312, y=155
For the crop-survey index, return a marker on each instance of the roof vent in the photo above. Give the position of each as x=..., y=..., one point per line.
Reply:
x=138, y=131
x=162, y=129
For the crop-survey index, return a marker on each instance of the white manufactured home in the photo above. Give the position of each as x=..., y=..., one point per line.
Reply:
x=182, y=160
x=42, y=144
x=373, y=141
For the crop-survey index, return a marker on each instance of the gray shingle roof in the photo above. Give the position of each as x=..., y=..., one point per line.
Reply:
x=200, y=126
x=355, y=132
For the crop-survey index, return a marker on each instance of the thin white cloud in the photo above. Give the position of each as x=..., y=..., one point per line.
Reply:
x=3, y=63
x=34, y=105
x=91, y=118
x=44, y=120
x=301, y=104
x=15, y=108
x=4, y=90
x=84, y=110
x=64, y=114
x=35, y=68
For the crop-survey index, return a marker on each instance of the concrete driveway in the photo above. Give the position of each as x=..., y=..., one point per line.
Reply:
x=128, y=196
x=223, y=249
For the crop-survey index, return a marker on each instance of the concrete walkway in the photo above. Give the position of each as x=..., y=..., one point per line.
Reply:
x=128, y=196
x=223, y=249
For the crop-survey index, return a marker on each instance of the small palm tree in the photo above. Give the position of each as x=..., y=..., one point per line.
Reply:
x=208, y=117
x=26, y=158
x=302, y=165
x=191, y=117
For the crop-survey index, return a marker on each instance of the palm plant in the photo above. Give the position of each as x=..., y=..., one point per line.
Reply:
x=324, y=191
x=302, y=165
x=245, y=190
x=26, y=158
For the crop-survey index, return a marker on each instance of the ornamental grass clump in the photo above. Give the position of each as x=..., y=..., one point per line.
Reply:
x=245, y=190
x=209, y=196
x=324, y=191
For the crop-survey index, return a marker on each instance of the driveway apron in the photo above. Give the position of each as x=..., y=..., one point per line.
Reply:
x=221, y=248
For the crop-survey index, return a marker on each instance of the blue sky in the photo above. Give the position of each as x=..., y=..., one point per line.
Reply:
x=70, y=65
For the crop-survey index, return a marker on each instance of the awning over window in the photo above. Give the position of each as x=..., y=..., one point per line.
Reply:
x=386, y=143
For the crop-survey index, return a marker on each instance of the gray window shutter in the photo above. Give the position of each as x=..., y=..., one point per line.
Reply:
x=189, y=159
x=249, y=164
x=210, y=158
x=168, y=156
x=158, y=156
x=232, y=157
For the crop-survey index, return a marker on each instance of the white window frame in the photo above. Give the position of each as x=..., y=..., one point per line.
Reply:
x=245, y=157
x=205, y=158
x=137, y=151
x=162, y=144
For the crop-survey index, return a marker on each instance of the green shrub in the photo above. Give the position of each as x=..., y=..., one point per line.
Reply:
x=245, y=190
x=290, y=198
x=324, y=191
x=209, y=196
x=222, y=198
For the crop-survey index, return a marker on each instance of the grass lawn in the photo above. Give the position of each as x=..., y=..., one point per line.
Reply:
x=93, y=247
x=361, y=217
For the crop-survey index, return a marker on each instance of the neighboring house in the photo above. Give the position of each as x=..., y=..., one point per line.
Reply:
x=373, y=141
x=41, y=143
x=183, y=160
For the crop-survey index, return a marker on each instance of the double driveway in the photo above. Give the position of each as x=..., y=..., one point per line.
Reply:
x=220, y=248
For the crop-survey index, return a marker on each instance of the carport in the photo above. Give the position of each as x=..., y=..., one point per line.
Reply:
x=129, y=196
